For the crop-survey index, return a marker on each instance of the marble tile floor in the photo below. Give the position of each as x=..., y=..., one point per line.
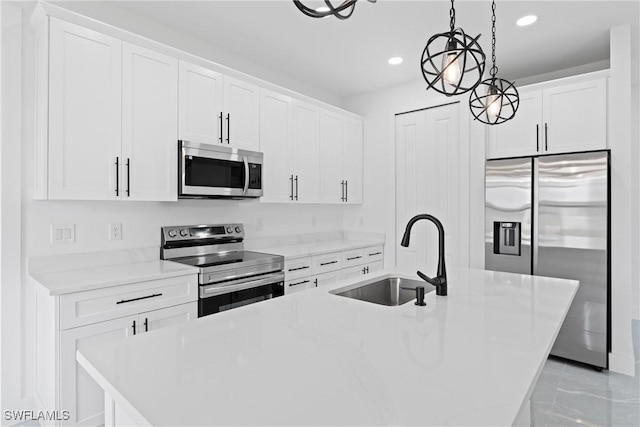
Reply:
x=569, y=394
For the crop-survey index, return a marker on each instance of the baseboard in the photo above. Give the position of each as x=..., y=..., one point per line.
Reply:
x=622, y=364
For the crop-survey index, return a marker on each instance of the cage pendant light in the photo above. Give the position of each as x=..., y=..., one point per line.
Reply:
x=342, y=11
x=494, y=100
x=452, y=62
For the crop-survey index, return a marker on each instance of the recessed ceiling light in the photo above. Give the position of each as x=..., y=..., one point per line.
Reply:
x=322, y=9
x=395, y=60
x=526, y=20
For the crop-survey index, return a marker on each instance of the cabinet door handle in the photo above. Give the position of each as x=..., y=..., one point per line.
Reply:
x=220, y=117
x=146, y=324
x=298, y=283
x=228, y=127
x=296, y=179
x=546, y=137
x=537, y=138
x=117, y=176
x=355, y=257
x=342, y=190
x=375, y=253
x=291, y=194
x=328, y=263
x=346, y=191
x=134, y=327
x=128, y=177
x=298, y=268
x=316, y=282
x=124, y=301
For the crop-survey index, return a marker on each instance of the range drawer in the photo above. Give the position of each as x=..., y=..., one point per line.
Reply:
x=326, y=262
x=297, y=267
x=83, y=308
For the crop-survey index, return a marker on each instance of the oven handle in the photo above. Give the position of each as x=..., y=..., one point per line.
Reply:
x=246, y=175
x=238, y=285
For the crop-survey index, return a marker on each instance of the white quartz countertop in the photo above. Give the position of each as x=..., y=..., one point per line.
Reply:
x=101, y=276
x=314, y=358
x=314, y=248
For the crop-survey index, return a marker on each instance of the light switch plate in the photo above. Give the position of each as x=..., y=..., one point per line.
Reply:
x=63, y=233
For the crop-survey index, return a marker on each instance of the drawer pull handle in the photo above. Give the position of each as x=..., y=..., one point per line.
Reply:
x=299, y=268
x=138, y=299
x=299, y=283
x=327, y=263
x=375, y=253
x=355, y=257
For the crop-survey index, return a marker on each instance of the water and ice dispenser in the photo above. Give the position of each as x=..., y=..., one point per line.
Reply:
x=506, y=238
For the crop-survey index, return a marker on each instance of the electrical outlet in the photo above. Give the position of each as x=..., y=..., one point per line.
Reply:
x=115, y=231
x=63, y=233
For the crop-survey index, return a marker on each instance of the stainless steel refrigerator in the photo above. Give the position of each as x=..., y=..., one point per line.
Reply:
x=549, y=216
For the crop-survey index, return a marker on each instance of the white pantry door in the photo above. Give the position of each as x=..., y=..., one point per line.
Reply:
x=428, y=181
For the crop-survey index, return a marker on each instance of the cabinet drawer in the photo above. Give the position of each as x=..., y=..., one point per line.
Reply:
x=83, y=308
x=297, y=285
x=354, y=257
x=298, y=267
x=374, y=253
x=327, y=262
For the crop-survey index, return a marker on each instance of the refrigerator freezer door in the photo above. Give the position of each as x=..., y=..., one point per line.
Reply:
x=572, y=244
x=508, y=215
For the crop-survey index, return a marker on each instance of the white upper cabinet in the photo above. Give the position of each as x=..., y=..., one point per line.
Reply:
x=556, y=118
x=85, y=75
x=149, y=127
x=241, y=114
x=352, y=160
x=275, y=142
x=112, y=118
x=575, y=117
x=200, y=104
x=340, y=158
x=520, y=136
x=289, y=139
x=305, y=148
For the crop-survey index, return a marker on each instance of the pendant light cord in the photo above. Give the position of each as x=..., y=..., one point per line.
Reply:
x=494, y=69
x=452, y=17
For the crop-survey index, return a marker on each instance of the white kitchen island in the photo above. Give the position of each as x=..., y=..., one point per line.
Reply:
x=314, y=358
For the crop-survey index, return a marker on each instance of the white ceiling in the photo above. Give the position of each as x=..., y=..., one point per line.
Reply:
x=350, y=57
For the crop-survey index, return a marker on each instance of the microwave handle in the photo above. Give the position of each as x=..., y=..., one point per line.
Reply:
x=246, y=175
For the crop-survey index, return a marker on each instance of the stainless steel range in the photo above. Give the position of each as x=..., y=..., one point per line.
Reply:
x=229, y=276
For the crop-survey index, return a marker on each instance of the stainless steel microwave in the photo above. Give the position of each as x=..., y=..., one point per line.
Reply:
x=213, y=171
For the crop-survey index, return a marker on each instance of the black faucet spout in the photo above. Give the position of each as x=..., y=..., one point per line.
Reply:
x=440, y=281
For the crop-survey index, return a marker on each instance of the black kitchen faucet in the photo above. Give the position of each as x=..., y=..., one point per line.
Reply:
x=440, y=281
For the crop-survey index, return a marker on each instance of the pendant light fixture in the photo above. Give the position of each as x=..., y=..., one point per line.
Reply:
x=343, y=11
x=494, y=100
x=452, y=62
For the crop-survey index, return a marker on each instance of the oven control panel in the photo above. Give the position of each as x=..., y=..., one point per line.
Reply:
x=202, y=232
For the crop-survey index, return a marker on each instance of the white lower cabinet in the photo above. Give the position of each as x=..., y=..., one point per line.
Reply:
x=60, y=383
x=324, y=269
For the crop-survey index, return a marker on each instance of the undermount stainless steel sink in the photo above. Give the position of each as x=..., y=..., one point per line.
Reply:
x=387, y=291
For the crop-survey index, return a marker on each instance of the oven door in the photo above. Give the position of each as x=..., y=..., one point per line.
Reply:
x=215, y=171
x=224, y=296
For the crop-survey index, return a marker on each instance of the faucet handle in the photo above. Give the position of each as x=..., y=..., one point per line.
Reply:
x=440, y=282
x=434, y=281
